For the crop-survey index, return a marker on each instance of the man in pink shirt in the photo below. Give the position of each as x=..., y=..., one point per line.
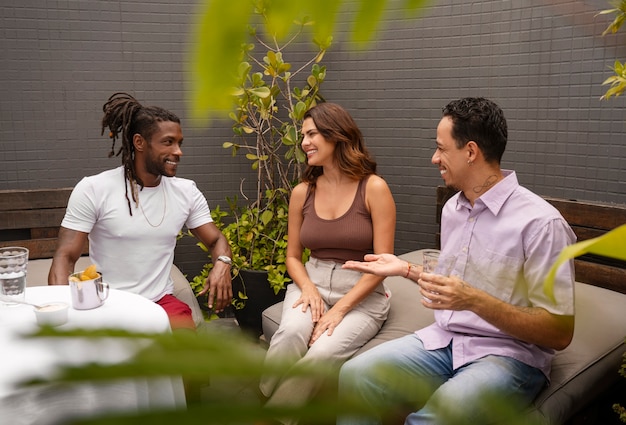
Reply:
x=495, y=330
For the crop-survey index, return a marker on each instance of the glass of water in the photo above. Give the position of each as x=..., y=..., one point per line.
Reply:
x=431, y=258
x=429, y=263
x=13, y=262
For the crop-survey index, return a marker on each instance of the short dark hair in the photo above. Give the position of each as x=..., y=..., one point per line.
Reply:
x=480, y=120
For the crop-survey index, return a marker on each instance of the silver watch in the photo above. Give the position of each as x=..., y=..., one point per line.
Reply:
x=225, y=259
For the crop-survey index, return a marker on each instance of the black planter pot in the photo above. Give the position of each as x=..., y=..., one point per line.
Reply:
x=260, y=295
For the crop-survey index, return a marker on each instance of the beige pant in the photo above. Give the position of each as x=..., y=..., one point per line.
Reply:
x=289, y=345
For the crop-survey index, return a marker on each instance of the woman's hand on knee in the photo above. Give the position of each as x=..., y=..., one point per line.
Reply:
x=311, y=298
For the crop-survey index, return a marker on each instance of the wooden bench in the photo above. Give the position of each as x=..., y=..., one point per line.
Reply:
x=589, y=365
x=32, y=218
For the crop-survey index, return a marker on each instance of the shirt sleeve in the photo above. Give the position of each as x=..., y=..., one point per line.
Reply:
x=200, y=213
x=543, y=250
x=81, y=211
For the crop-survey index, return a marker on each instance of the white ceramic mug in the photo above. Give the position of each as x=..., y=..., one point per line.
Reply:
x=87, y=294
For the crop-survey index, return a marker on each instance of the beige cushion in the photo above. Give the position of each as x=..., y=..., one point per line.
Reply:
x=590, y=364
x=37, y=275
x=405, y=315
x=183, y=291
x=579, y=373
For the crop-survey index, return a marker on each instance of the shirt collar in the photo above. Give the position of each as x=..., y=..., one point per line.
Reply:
x=495, y=197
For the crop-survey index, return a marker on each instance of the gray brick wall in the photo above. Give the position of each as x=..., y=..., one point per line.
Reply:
x=543, y=62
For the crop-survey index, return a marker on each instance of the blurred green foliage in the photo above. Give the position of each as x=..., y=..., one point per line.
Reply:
x=221, y=29
x=229, y=361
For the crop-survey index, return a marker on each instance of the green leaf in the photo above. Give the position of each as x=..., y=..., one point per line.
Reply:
x=311, y=81
x=261, y=92
x=267, y=216
x=300, y=156
x=610, y=245
x=299, y=110
x=218, y=34
x=368, y=17
x=281, y=15
x=324, y=14
x=324, y=44
x=243, y=69
x=257, y=79
x=270, y=58
x=291, y=136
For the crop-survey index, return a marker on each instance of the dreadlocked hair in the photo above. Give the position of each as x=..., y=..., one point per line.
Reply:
x=125, y=116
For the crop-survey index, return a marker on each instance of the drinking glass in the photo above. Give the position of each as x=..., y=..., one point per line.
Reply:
x=431, y=258
x=429, y=263
x=13, y=263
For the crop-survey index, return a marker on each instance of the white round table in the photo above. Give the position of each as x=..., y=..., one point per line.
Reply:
x=22, y=359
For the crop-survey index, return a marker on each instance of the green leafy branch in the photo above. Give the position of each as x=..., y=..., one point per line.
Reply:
x=267, y=113
x=617, y=82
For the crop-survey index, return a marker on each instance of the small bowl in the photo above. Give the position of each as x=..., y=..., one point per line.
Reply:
x=52, y=314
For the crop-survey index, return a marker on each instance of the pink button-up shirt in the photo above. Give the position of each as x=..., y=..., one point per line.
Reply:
x=504, y=245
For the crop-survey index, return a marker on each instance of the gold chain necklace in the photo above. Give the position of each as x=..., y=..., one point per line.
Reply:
x=164, y=207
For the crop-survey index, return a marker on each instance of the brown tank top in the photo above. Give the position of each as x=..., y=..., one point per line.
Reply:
x=348, y=237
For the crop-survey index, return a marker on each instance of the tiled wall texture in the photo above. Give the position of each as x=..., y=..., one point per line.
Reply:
x=543, y=62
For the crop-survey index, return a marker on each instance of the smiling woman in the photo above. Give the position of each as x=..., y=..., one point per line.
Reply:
x=340, y=211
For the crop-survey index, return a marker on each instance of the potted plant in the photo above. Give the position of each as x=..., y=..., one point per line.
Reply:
x=258, y=240
x=270, y=101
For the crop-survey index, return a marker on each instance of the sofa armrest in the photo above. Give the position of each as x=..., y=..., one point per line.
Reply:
x=183, y=291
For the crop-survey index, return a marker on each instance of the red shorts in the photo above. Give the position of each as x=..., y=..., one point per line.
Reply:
x=178, y=312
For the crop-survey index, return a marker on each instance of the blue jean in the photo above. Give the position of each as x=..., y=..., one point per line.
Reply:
x=424, y=382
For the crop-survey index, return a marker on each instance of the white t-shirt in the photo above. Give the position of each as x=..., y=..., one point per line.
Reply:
x=135, y=253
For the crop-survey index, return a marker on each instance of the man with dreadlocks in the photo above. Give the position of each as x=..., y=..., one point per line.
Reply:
x=132, y=214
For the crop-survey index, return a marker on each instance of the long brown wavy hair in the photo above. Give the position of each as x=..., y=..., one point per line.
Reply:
x=337, y=126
